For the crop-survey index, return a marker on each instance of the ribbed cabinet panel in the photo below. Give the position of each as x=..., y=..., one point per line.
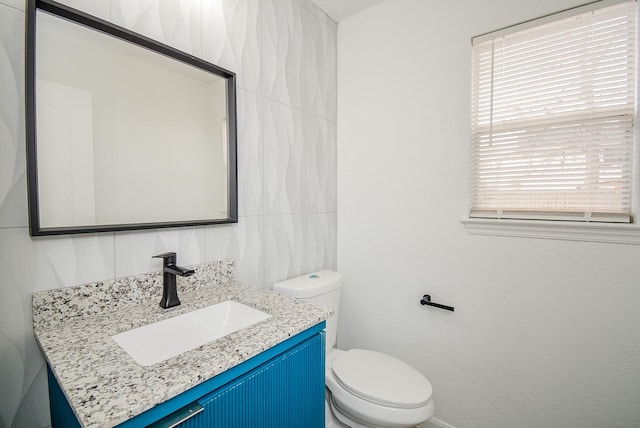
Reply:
x=286, y=392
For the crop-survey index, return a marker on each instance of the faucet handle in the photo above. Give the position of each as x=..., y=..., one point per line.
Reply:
x=169, y=258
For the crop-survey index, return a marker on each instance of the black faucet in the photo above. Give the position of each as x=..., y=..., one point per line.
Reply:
x=169, y=272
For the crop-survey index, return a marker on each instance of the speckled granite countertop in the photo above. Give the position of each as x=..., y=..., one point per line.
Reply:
x=104, y=385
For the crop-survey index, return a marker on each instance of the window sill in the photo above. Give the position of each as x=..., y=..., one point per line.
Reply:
x=562, y=230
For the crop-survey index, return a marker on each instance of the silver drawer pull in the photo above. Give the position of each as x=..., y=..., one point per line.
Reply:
x=179, y=416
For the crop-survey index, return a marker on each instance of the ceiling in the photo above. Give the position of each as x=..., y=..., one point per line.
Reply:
x=342, y=9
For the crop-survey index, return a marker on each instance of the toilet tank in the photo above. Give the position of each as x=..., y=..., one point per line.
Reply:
x=321, y=288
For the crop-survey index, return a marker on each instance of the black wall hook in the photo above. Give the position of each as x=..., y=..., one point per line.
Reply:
x=426, y=300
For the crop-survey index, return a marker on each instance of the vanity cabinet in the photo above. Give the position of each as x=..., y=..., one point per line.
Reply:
x=285, y=392
x=282, y=387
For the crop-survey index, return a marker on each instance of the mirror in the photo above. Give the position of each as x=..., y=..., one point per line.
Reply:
x=123, y=132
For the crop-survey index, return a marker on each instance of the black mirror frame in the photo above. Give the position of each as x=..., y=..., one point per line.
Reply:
x=108, y=28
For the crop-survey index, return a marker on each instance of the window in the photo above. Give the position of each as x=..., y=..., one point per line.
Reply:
x=553, y=112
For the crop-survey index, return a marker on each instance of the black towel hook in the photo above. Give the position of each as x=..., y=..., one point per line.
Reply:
x=426, y=300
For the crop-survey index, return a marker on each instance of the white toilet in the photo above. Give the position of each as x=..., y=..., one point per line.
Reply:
x=364, y=388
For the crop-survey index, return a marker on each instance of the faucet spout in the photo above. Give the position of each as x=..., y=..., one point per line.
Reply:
x=178, y=270
x=169, y=272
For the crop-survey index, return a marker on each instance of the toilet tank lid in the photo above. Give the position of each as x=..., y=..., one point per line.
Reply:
x=309, y=285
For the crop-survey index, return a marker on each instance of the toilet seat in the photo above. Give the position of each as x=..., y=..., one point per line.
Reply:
x=381, y=379
x=373, y=402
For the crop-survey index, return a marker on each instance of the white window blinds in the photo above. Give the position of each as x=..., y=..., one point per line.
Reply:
x=553, y=110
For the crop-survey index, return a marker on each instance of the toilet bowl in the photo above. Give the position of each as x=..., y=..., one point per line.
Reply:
x=364, y=388
x=372, y=389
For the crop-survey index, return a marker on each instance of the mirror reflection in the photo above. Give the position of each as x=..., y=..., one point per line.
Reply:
x=126, y=136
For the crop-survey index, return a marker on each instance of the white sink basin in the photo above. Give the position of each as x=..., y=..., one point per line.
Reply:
x=153, y=343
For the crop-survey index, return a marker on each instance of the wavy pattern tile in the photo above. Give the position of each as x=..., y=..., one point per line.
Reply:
x=283, y=44
x=27, y=266
x=13, y=205
x=320, y=232
x=177, y=23
x=244, y=242
x=99, y=8
x=300, y=161
x=284, y=54
x=320, y=68
x=16, y=4
x=320, y=155
x=135, y=250
x=250, y=154
x=232, y=38
x=318, y=13
x=299, y=58
x=283, y=159
x=283, y=247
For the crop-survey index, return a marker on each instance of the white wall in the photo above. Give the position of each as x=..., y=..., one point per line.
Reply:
x=284, y=53
x=545, y=332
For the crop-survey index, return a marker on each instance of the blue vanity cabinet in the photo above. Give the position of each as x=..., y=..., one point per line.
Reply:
x=283, y=393
x=282, y=387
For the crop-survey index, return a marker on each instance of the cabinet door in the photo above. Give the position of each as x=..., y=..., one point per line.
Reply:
x=286, y=392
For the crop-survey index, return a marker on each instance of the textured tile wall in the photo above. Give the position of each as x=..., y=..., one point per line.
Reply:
x=284, y=54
